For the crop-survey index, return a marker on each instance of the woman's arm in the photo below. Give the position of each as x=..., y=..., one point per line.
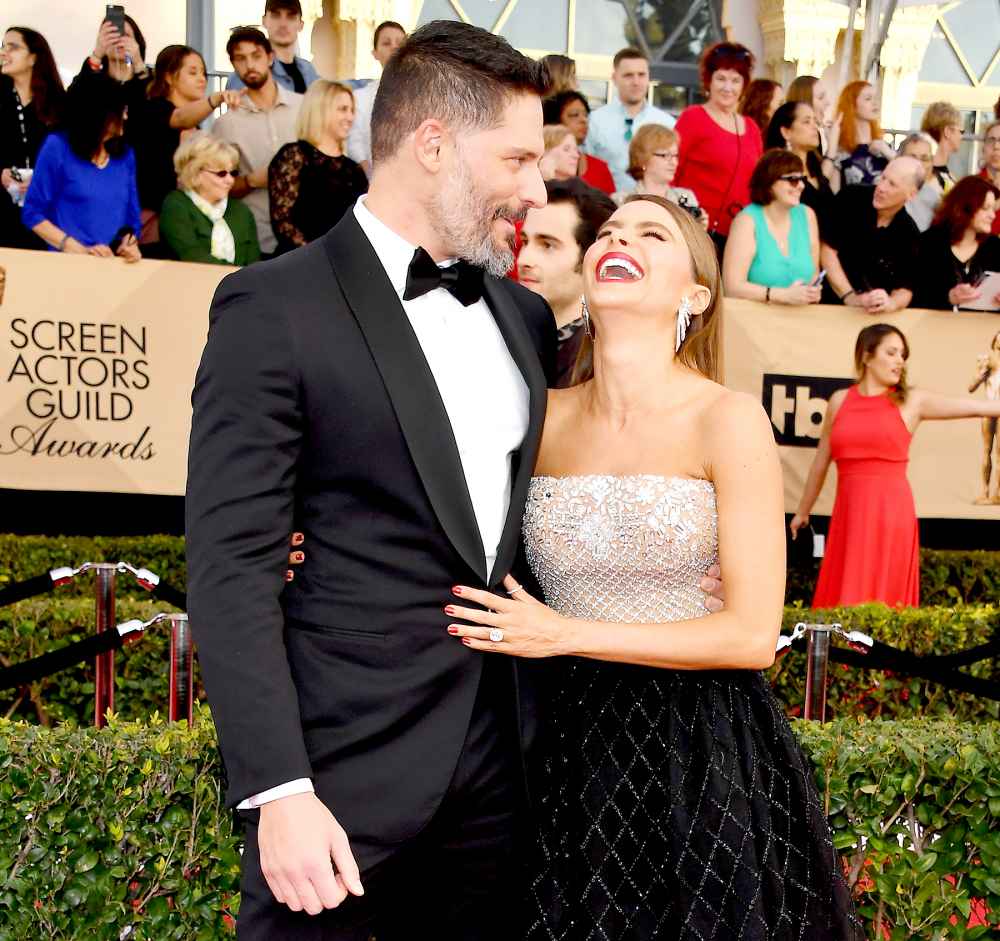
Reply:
x=744, y=466
x=741, y=247
x=820, y=466
x=931, y=406
x=284, y=177
x=813, y=238
x=192, y=113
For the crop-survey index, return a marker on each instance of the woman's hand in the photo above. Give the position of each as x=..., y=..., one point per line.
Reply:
x=961, y=294
x=797, y=294
x=881, y=149
x=101, y=251
x=108, y=39
x=528, y=628
x=129, y=249
x=799, y=521
x=876, y=302
x=295, y=557
x=230, y=97
x=127, y=46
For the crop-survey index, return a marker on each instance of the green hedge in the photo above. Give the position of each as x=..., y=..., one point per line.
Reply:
x=923, y=631
x=946, y=576
x=35, y=626
x=100, y=831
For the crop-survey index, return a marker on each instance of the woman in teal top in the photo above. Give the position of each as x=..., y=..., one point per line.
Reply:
x=773, y=248
x=199, y=222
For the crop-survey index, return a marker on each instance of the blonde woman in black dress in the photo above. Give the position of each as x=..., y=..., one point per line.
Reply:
x=673, y=800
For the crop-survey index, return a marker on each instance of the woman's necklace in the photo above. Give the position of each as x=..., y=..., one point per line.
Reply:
x=24, y=129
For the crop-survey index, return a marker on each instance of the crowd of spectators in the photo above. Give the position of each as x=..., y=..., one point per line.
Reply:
x=806, y=203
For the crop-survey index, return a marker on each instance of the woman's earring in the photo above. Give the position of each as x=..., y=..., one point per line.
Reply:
x=683, y=321
x=586, y=320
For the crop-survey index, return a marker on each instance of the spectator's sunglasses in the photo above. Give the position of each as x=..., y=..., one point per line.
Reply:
x=221, y=174
x=796, y=179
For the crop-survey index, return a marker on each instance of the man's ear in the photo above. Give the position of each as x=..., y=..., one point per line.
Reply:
x=428, y=142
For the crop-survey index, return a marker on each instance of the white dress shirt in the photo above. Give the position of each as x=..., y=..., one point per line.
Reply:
x=483, y=391
x=359, y=140
x=606, y=136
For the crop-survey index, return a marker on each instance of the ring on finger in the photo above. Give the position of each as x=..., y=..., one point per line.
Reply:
x=515, y=589
x=496, y=635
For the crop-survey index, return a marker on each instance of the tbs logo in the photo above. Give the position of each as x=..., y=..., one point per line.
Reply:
x=797, y=406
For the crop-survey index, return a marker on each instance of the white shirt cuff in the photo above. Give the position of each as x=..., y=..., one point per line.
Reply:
x=298, y=786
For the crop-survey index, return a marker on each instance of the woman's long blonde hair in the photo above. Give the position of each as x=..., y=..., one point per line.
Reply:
x=315, y=108
x=702, y=347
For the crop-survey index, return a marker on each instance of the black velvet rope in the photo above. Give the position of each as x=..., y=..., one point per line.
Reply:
x=30, y=588
x=170, y=595
x=28, y=671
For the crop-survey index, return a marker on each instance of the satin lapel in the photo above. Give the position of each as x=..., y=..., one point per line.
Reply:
x=510, y=320
x=410, y=384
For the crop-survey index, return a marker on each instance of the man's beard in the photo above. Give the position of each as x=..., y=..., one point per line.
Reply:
x=464, y=217
x=258, y=81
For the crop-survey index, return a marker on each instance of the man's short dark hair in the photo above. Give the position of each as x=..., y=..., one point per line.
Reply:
x=289, y=6
x=385, y=24
x=629, y=52
x=247, y=34
x=593, y=208
x=460, y=74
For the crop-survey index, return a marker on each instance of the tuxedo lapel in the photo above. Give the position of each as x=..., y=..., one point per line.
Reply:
x=410, y=385
x=510, y=320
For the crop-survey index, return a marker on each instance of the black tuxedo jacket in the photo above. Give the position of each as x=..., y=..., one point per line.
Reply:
x=315, y=410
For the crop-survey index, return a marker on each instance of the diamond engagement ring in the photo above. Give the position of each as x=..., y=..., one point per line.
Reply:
x=516, y=588
x=496, y=635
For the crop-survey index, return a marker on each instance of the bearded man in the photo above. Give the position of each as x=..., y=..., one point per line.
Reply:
x=381, y=390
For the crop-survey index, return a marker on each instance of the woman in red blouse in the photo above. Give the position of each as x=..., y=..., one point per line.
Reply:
x=719, y=146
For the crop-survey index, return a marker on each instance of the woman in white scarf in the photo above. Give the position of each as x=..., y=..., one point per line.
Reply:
x=205, y=175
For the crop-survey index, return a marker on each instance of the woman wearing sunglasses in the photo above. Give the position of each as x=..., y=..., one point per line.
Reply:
x=773, y=248
x=199, y=222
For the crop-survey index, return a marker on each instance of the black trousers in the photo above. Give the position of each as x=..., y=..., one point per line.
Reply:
x=458, y=880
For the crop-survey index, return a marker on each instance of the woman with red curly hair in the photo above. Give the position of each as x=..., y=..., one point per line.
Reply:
x=862, y=155
x=719, y=146
x=959, y=248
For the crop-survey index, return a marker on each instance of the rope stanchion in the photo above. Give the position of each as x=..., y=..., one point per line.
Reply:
x=20, y=674
x=869, y=654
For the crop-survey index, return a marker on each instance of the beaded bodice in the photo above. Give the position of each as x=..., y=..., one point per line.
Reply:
x=631, y=548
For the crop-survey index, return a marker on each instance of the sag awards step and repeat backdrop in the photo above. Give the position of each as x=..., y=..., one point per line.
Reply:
x=98, y=360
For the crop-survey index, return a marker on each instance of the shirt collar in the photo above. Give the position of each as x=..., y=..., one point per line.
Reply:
x=284, y=99
x=392, y=249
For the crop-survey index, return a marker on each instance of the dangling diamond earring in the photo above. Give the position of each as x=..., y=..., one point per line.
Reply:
x=683, y=321
x=586, y=319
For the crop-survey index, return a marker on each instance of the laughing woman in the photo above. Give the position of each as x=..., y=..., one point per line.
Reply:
x=674, y=801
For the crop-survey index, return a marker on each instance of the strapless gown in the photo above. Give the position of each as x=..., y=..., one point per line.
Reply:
x=670, y=804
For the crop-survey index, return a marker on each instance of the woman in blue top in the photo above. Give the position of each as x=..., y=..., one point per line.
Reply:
x=773, y=248
x=83, y=198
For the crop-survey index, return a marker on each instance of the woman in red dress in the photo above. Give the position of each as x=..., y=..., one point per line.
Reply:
x=873, y=547
x=719, y=146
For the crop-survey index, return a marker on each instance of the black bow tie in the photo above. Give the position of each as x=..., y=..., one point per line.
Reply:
x=463, y=280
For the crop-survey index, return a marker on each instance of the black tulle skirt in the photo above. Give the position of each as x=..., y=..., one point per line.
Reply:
x=678, y=805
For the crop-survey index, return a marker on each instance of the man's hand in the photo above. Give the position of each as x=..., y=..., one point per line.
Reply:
x=712, y=585
x=305, y=855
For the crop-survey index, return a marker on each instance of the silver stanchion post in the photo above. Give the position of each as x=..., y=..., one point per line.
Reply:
x=817, y=661
x=181, y=704
x=104, y=617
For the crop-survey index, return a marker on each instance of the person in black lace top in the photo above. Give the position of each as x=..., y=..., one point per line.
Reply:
x=311, y=181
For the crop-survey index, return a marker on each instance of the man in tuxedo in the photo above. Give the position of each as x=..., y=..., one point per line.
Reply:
x=381, y=390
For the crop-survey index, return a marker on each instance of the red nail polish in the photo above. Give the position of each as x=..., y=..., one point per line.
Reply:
x=452, y=629
x=449, y=610
x=457, y=590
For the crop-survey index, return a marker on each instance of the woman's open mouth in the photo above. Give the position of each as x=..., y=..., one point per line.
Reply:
x=617, y=266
